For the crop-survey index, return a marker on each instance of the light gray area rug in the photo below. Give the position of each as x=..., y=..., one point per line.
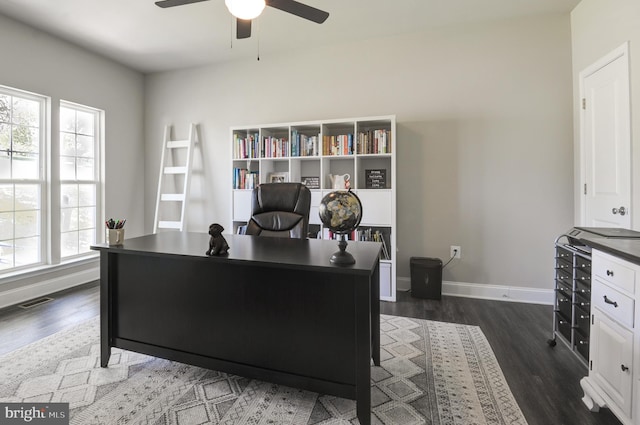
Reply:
x=431, y=373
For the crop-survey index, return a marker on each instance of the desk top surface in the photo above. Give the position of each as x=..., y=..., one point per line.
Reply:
x=254, y=250
x=627, y=249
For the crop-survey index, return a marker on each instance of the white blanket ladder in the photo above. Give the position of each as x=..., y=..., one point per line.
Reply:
x=174, y=179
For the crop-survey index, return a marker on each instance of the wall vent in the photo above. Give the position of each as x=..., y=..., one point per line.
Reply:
x=35, y=302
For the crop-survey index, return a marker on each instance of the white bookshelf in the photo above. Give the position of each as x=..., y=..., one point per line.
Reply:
x=262, y=151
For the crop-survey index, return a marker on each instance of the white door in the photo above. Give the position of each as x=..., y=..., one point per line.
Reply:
x=606, y=141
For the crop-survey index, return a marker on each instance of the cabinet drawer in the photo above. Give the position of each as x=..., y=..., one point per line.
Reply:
x=565, y=254
x=582, y=345
x=583, y=290
x=583, y=277
x=563, y=326
x=583, y=264
x=583, y=322
x=563, y=264
x=614, y=271
x=613, y=303
x=564, y=276
x=564, y=304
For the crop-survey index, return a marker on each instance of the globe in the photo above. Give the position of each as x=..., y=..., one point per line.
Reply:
x=341, y=212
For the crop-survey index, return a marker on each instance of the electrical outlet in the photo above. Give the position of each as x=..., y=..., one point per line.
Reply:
x=456, y=252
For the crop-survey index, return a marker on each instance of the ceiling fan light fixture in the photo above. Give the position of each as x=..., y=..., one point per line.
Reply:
x=245, y=9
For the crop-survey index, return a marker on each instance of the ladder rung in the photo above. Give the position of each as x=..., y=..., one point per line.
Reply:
x=170, y=224
x=175, y=170
x=172, y=197
x=178, y=144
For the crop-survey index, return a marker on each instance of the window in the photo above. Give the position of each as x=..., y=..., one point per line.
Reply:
x=22, y=184
x=36, y=228
x=78, y=178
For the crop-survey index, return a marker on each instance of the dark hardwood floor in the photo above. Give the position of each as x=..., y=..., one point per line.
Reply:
x=544, y=380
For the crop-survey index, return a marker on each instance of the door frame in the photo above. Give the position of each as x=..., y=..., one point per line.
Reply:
x=621, y=52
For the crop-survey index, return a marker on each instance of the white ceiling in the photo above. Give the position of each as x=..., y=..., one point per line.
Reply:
x=145, y=37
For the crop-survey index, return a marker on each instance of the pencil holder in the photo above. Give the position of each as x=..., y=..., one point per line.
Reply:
x=115, y=236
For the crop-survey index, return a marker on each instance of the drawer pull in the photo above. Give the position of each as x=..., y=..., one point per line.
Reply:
x=583, y=342
x=608, y=301
x=582, y=316
x=609, y=272
x=624, y=368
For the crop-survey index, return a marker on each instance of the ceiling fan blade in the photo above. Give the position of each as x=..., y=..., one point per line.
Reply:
x=299, y=9
x=172, y=3
x=243, y=28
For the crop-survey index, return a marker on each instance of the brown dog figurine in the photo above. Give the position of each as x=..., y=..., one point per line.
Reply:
x=217, y=243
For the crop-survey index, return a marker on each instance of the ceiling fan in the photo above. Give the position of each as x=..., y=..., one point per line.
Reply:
x=246, y=10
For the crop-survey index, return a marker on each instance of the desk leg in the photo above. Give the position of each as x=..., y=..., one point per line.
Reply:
x=363, y=350
x=105, y=307
x=375, y=315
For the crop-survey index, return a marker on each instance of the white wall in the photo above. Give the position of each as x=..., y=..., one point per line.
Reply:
x=597, y=28
x=36, y=62
x=484, y=135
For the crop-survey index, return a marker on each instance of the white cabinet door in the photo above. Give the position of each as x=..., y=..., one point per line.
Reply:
x=611, y=357
x=242, y=205
x=376, y=207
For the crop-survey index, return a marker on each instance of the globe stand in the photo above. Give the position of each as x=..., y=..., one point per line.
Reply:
x=342, y=257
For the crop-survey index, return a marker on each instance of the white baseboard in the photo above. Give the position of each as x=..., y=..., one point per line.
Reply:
x=48, y=286
x=490, y=292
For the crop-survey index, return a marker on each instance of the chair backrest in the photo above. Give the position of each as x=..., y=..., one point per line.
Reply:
x=280, y=209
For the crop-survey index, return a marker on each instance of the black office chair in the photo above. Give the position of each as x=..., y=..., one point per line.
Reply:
x=281, y=210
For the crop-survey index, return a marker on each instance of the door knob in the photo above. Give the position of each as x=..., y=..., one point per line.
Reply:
x=621, y=210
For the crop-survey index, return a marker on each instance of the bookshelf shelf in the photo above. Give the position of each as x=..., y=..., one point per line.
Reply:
x=311, y=151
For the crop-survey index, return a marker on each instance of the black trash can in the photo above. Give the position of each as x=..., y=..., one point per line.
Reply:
x=426, y=277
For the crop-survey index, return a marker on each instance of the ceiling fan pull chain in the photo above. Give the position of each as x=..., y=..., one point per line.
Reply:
x=258, y=31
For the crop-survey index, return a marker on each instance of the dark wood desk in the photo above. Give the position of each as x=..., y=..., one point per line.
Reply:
x=274, y=309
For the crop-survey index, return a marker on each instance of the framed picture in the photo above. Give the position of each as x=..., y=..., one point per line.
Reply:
x=376, y=178
x=312, y=182
x=278, y=177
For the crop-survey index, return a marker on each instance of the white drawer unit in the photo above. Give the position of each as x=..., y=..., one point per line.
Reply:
x=614, y=352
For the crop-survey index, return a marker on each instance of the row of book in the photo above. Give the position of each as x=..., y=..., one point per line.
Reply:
x=376, y=236
x=304, y=145
x=367, y=142
x=338, y=145
x=246, y=147
x=364, y=234
x=276, y=147
x=245, y=179
x=374, y=141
